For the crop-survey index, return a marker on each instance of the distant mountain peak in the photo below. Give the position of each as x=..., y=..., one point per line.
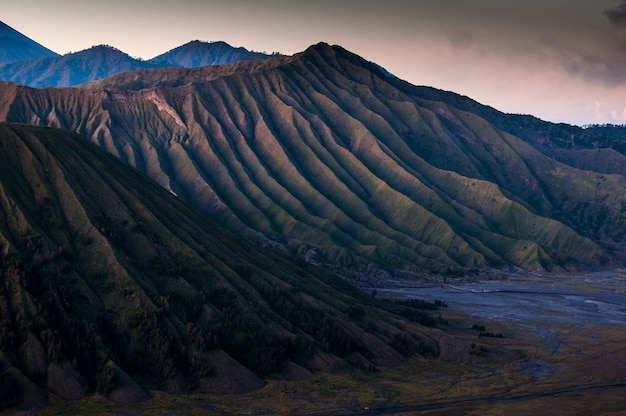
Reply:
x=102, y=48
x=199, y=53
x=202, y=42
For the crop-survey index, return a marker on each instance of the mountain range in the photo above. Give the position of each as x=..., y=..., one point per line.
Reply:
x=24, y=61
x=322, y=155
x=178, y=228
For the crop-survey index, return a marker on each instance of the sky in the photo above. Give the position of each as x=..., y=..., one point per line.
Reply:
x=560, y=60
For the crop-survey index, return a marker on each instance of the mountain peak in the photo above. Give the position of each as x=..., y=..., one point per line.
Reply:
x=323, y=48
x=199, y=53
x=331, y=52
x=98, y=49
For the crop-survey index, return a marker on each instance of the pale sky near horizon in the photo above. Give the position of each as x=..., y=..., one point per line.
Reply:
x=560, y=60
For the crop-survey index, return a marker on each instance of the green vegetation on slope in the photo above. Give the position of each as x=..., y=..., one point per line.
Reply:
x=111, y=284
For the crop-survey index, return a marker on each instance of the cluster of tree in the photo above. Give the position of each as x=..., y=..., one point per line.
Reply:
x=421, y=304
x=479, y=351
x=44, y=299
x=482, y=332
x=328, y=330
x=408, y=345
x=414, y=310
x=490, y=335
x=34, y=304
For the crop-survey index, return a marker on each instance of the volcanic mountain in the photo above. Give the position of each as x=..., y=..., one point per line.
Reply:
x=112, y=285
x=196, y=53
x=14, y=46
x=324, y=156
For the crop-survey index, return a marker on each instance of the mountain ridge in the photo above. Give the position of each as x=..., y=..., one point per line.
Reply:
x=24, y=61
x=322, y=153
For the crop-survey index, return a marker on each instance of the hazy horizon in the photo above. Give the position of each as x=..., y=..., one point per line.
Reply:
x=562, y=61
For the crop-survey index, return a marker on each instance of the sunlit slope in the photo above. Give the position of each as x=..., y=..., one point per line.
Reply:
x=107, y=278
x=322, y=154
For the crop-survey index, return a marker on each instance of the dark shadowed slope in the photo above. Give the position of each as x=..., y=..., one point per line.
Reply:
x=110, y=284
x=197, y=54
x=322, y=154
x=14, y=46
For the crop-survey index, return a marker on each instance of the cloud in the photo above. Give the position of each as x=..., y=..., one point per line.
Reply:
x=596, y=55
x=617, y=15
x=605, y=65
x=460, y=39
x=615, y=114
x=598, y=116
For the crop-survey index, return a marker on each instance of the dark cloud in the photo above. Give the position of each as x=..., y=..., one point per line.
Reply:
x=617, y=15
x=461, y=39
x=603, y=61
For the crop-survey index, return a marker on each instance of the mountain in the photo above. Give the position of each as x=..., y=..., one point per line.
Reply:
x=196, y=53
x=72, y=69
x=14, y=46
x=566, y=143
x=322, y=155
x=24, y=61
x=611, y=130
x=103, y=61
x=113, y=285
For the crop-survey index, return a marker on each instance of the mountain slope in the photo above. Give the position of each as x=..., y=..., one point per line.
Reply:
x=327, y=157
x=14, y=46
x=111, y=285
x=566, y=143
x=197, y=54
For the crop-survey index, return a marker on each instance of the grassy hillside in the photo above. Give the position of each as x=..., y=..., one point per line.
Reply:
x=110, y=284
x=322, y=155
